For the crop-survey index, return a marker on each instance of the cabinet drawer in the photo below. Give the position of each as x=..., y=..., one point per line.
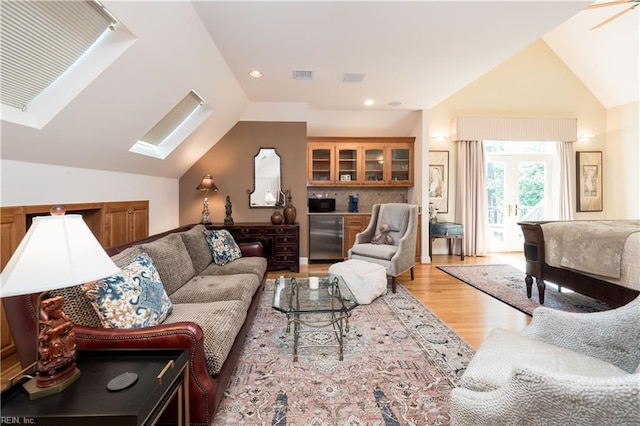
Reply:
x=277, y=231
x=286, y=249
x=356, y=221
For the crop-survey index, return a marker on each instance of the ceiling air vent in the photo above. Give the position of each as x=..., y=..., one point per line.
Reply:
x=353, y=77
x=302, y=75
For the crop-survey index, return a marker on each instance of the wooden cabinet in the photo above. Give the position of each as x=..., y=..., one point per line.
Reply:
x=359, y=161
x=353, y=224
x=125, y=222
x=281, y=242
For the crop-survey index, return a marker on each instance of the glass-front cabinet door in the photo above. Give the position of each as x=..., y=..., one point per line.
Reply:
x=373, y=165
x=347, y=163
x=320, y=164
x=400, y=165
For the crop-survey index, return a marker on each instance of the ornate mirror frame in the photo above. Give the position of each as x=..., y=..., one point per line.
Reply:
x=267, y=180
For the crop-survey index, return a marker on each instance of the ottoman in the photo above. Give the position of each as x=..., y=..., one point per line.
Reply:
x=366, y=280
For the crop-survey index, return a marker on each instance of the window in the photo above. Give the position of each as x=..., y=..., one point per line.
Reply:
x=43, y=44
x=174, y=127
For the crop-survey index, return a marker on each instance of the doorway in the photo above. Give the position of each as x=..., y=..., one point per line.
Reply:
x=519, y=189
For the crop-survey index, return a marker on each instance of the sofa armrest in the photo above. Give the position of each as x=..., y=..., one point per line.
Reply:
x=251, y=249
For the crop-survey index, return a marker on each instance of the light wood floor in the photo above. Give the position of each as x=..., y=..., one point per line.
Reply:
x=469, y=312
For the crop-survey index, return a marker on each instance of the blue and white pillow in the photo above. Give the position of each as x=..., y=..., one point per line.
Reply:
x=133, y=298
x=223, y=247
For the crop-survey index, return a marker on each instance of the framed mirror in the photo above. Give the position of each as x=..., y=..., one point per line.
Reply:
x=267, y=190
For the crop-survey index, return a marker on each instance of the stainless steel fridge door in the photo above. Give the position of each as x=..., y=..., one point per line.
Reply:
x=325, y=237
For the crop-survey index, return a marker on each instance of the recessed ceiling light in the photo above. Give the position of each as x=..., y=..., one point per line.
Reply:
x=255, y=74
x=395, y=103
x=369, y=102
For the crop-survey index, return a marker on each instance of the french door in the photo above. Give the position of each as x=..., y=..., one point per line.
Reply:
x=518, y=188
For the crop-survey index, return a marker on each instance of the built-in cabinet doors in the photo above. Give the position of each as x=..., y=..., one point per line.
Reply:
x=360, y=161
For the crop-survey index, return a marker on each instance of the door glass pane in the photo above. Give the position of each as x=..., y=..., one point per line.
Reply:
x=495, y=191
x=348, y=164
x=531, y=203
x=400, y=164
x=321, y=163
x=373, y=164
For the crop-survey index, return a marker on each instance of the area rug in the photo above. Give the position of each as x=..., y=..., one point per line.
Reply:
x=506, y=283
x=400, y=364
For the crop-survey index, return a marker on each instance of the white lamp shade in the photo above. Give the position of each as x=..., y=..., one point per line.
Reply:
x=57, y=252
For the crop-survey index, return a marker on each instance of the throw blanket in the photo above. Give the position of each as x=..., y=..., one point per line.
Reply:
x=594, y=247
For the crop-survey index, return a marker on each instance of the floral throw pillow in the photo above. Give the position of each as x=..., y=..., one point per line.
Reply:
x=223, y=247
x=133, y=298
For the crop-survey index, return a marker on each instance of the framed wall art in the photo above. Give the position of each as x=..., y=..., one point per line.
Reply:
x=589, y=181
x=438, y=180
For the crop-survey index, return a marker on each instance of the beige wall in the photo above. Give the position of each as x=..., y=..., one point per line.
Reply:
x=230, y=162
x=536, y=83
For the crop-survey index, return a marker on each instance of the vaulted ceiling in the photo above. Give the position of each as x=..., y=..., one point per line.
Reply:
x=414, y=53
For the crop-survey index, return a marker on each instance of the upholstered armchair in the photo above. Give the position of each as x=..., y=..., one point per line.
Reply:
x=399, y=256
x=564, y=368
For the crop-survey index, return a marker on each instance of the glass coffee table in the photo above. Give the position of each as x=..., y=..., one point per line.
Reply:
x=330, y=305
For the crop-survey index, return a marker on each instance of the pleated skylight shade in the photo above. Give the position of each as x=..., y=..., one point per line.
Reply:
x=40, y=40
x=173, y=119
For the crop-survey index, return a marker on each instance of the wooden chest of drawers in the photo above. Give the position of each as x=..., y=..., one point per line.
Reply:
x=281, y=242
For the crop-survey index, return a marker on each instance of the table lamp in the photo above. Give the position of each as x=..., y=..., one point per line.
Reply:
x=206, y=185
x=58, y=251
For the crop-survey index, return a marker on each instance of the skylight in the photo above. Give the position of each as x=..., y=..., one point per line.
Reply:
x=174, y=127
x=50, y=51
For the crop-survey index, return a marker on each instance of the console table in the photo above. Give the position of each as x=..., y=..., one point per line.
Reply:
x=281, y=242
x=162, y=375
x=451, y=232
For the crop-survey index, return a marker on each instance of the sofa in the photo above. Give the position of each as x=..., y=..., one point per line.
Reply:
x=209, y=309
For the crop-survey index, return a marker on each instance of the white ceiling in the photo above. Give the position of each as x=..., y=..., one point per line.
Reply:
x=417, y=52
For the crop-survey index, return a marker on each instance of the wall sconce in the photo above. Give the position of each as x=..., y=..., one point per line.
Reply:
x=206, y=185
x=439, y=138
x=584, y=137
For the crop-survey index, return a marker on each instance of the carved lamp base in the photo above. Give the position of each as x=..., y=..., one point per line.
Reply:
x=36, y=392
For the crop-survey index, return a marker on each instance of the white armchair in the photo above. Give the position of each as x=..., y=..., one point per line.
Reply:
x=398, y=257
x=564, y=368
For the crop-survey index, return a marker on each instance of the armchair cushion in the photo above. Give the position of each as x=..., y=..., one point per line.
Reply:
x=376, y=251
x=132, y=298
x=503, y=351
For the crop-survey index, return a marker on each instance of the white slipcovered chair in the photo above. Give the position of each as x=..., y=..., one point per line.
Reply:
x=398, y=257
x=564, y=368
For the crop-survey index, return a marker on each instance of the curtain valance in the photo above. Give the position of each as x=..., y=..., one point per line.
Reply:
x=514, y=129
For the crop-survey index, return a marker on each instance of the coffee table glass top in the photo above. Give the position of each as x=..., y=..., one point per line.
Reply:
x=293, y=296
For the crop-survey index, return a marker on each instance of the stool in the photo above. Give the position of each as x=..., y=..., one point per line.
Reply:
x=450, y=231
x=365, y=280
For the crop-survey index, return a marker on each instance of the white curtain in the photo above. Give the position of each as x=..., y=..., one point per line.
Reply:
x=471, y=197
x=563, y=205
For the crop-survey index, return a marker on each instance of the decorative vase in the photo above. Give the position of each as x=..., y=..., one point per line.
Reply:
x=276, y=217
x=289, y=211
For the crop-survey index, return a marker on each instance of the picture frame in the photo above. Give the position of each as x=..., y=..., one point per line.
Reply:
x=438, y=180
x=589, y=181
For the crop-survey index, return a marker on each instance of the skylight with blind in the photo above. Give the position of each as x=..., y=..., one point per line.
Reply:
x=174, y=127
x=50, y=51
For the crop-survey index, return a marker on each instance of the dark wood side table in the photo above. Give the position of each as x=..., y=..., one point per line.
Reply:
x=162, y=375
x=450, y=231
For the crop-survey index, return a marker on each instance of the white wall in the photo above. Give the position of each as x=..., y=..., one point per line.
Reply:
x=24, y=184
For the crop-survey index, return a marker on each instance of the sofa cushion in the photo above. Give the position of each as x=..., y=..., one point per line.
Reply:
x=197, y=247
x=170, y=256
x=77, y=305
x=204, y=289
x=223, y=247
x=220, y=321
x=133, y=298
x=245, y=265
x=491, y=368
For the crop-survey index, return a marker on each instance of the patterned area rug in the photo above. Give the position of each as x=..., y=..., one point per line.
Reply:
x=400, y=364
x=506, y=283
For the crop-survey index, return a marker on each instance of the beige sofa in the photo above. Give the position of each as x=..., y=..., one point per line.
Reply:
x=212, y=308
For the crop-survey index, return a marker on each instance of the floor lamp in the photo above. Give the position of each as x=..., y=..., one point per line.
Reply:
x=58, y=251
